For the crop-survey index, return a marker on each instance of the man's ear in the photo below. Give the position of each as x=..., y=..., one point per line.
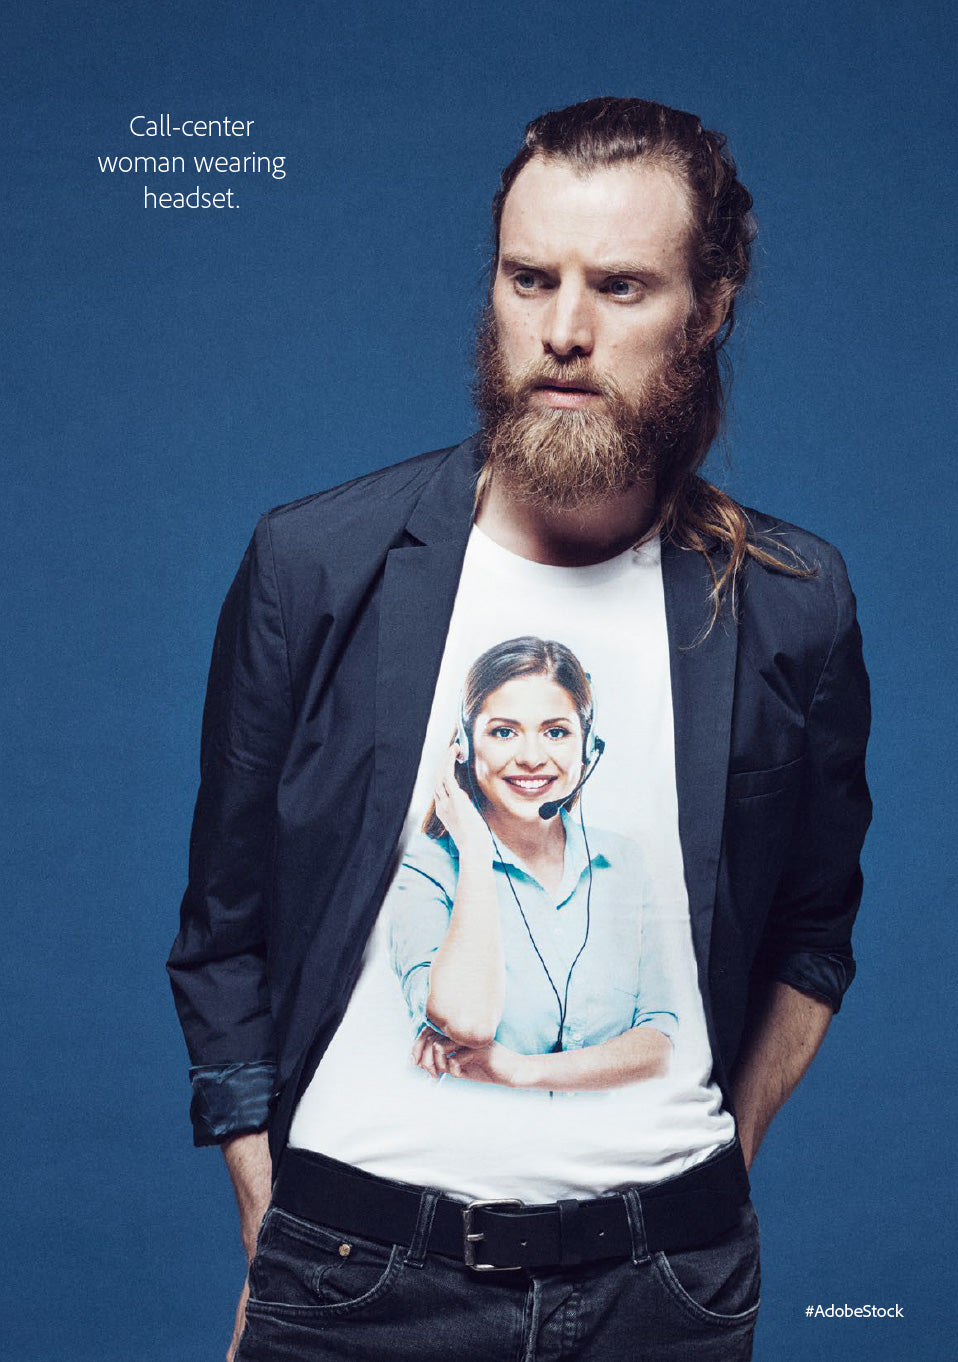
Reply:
x=711, y=312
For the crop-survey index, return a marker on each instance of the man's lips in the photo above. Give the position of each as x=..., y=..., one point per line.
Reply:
x=569, y=384
x=558, y=393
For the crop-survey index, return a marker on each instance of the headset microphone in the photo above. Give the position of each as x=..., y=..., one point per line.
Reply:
x=552, y=806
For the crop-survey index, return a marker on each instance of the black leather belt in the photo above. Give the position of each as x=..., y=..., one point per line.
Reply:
x=686, y=1211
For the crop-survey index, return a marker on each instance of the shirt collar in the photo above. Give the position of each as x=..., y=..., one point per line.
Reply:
x=576, y=859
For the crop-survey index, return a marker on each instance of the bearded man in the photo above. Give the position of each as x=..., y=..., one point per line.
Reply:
x=526, y=853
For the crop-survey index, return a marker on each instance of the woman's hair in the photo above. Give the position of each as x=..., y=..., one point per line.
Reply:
x=608, y=131
x=526, y=656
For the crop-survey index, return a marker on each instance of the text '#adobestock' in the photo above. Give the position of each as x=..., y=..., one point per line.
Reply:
x=854, y=1312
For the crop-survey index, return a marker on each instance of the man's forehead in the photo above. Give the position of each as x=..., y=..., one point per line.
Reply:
x=617, y=215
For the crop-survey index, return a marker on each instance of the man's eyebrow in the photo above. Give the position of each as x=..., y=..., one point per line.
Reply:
x=626, y=267
x=521, y=262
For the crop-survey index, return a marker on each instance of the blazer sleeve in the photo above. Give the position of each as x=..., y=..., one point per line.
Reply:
x=218, y=964
x=807, y=940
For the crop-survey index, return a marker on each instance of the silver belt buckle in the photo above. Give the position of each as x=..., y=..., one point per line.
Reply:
x=471, y=1237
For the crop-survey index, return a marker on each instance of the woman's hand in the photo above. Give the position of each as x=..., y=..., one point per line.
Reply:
x=430, y=1051
x=493, y=1063
x=457, y=812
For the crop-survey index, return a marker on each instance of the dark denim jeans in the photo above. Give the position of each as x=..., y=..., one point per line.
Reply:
x=317, y=1294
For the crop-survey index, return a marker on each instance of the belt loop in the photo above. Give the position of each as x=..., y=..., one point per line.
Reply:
x=633, y=1204
x=570, y=1233
x=416, y=1252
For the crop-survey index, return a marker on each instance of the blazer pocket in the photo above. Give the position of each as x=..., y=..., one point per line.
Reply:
x=768, y=781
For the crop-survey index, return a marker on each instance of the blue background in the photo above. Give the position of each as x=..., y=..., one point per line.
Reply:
x=174, y=373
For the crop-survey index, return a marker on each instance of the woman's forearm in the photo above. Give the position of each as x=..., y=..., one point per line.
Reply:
x=467, y=979
x=640, y=1053
x=643, y=1052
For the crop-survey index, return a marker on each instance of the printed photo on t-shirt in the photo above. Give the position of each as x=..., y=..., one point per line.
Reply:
x=524, y=937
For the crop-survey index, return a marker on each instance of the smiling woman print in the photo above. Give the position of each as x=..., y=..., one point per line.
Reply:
x=528, y=954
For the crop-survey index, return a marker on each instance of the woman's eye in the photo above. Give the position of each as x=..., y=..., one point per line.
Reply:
x=557, y=733
x=501, y=732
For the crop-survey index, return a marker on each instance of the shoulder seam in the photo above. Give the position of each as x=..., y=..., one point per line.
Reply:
x=831, y=646
x=280, y=611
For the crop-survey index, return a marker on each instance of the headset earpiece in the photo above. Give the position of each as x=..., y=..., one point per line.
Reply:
x=592, y=744
x=588, y=744
x=462, y=738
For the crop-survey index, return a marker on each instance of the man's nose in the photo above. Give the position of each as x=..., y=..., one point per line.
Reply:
x=569, y=322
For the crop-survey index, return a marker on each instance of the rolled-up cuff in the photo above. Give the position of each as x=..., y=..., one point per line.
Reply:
x=823, y=975
x=666, y=1022
x=230, y=1099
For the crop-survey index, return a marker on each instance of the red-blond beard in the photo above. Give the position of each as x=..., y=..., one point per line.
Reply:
x=562, y=457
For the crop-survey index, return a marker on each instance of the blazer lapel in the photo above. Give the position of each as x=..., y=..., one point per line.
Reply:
x=703, y=687
x=419, y=590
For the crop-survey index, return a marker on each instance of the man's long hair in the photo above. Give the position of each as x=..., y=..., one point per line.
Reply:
x=690, y=511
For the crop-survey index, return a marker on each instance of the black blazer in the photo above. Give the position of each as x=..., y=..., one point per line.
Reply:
x=324, y=665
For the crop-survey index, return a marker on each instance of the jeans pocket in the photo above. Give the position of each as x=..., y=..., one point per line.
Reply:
x=720, y=1283
x=305, y=1271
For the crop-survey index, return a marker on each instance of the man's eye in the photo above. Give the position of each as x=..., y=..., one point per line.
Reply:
x=622, y=288
x=525, y=280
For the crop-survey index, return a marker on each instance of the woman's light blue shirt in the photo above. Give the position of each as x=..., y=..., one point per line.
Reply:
x=620, y=981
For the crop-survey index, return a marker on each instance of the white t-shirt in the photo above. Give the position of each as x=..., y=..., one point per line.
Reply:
x=596, y=990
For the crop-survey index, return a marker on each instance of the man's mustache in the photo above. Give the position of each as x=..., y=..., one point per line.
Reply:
x=543, y=374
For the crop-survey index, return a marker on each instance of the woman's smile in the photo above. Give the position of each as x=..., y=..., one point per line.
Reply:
x=529, y=785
